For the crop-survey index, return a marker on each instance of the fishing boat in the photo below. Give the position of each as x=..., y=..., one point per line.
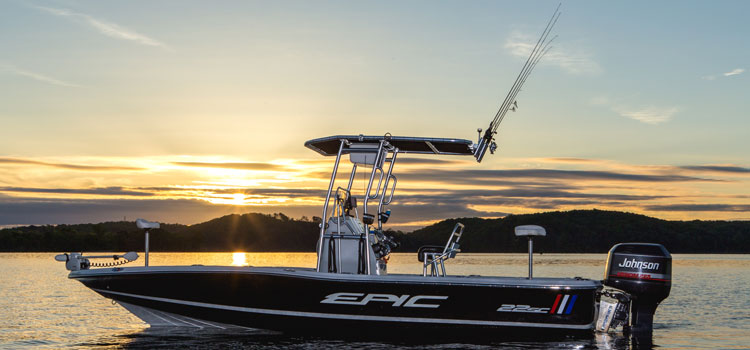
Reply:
x=350, y=290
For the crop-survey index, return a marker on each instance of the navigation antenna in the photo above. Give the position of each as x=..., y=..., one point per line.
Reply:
x=540, y=49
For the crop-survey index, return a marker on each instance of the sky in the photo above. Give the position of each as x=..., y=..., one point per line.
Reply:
x=183, y=111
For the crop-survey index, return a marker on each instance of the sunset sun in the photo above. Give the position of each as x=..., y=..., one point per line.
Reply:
x=239, y=259
x=238, y=199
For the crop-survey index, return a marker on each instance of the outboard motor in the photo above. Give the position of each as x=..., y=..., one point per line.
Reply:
x=644, y=272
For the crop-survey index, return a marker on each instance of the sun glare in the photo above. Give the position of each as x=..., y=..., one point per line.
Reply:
x=238, y=198
x=239, y=259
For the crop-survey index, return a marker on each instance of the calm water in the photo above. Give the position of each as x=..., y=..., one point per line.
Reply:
x=41, y=308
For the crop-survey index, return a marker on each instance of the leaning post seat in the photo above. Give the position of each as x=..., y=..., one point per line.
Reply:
x=530, y=231
x=435, y=256
x=426, y=250
x=146, y=226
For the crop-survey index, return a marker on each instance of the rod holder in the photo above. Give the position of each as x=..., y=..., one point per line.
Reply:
x=529, y=231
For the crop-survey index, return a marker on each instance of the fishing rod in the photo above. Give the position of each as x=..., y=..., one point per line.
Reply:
x=540, y=50
x=544, y=51
x=536, y=54
x=527, y=68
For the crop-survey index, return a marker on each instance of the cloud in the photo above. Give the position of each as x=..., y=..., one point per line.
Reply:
x=36, y=76
x=412, y=209
x=5, y=160
x=736, y=71
x=576, y=62
x=107, y=28
x=471, y=176
x=423, y=196
x=186, y=211
x=429, y=161
x=546, y=193
x=38, y=211
x=569, y=160
x=717, y=168
x=649, y=115
x=116, y=191
x=434, y=196
x=502, y=196
x=275, y=192
x=405, y=215
x=733, y=72
x=700, y=207
x=234, y=165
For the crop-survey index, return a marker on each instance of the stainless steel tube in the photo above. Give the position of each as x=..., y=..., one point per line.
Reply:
x=325, y=204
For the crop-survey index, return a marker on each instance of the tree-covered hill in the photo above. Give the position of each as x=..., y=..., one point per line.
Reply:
x=578, y=231
x=589, y=231
x=247, y=232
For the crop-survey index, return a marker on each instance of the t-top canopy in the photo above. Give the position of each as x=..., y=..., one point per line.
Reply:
x=329, y=146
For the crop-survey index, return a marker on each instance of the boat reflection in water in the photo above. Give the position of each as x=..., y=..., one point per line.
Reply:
x=183, y=338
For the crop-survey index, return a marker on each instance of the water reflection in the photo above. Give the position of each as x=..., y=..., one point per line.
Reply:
x=708, y=306
x=168, y=338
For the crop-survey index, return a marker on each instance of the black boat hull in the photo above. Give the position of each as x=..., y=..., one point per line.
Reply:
x=304, y=301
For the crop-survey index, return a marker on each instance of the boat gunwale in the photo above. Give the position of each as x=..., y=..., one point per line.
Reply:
x=310, y=273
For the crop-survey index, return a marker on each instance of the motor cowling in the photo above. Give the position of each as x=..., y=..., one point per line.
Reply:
x=644, y=271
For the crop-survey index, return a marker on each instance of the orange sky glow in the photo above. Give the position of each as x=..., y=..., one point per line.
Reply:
x=112, y=110
x=444, y=187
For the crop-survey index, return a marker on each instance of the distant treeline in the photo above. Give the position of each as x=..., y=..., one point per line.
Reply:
x=578, y=231
x=247, y=232
x=589, y=231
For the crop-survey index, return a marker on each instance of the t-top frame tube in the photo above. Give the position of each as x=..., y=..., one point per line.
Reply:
x=328, y=198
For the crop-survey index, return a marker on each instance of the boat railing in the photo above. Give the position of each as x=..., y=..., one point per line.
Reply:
x=390, y=180
x=328, y=198
x=377, y=167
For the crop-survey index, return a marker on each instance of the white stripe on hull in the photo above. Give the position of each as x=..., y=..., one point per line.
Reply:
x=562, y=304
x=157, y=318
